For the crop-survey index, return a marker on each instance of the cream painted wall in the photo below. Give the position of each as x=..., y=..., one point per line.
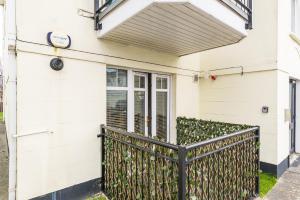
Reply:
x=257, y=52
x=288, y=49
x=71, y=103
x=34, y=24
x=54, y=161
x=268, y=47
x=187, y=97
x=283, y=98
x=239, y=99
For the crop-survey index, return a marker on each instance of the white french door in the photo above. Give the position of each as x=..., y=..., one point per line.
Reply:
x=139, y=102
x=160, y=106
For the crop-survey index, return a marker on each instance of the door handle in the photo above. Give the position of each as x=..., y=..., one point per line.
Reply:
x=148, y=120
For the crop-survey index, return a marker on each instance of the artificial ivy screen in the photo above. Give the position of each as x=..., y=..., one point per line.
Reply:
x=191, y=130
x=136, y=168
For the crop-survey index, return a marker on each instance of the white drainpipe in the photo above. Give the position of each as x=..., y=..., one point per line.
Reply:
x=10, y=84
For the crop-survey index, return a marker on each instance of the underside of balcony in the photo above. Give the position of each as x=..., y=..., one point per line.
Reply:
x=178, y=27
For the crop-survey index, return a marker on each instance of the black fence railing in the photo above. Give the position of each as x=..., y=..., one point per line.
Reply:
x=241, y=7
x=138, y=167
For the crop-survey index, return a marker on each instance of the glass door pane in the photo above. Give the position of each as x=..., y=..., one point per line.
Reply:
x=139, y=112
x=140, y=103
x=162, y=115
x=116, y=98
x=160, y=106
x=116, y=109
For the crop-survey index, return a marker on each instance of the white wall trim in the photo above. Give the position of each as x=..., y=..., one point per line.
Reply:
x=153, y=107
x=33, y=133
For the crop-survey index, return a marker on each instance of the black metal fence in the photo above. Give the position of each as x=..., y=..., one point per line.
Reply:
x=138, y=167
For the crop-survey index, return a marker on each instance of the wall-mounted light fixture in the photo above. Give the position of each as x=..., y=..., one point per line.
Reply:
x=57, y=64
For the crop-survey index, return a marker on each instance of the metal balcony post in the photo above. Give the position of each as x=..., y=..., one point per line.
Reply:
x=249, y=24
x=182, y=164
x=96, y=7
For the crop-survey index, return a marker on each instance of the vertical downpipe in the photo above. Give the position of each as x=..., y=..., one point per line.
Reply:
x=10, y=79
x=182, y=152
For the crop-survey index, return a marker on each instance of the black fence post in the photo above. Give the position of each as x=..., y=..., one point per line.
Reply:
x=103, y=158
x=182, y=152
x=257, y=133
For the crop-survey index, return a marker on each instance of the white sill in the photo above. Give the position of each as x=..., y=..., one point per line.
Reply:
x=295, y=37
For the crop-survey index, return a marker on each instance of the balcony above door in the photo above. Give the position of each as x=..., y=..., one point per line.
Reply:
x=178, y=27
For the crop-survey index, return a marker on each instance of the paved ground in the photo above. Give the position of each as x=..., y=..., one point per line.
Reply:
x=3, y=164
x=288, y=186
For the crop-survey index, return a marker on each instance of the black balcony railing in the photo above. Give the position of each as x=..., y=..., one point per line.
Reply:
x=101, y=11
x=241, y=7
x=138, y=167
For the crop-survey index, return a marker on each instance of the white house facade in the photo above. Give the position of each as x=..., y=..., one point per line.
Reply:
x=138, y=65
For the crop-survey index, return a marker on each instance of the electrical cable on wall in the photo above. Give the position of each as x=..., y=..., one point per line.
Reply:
x=209, y=73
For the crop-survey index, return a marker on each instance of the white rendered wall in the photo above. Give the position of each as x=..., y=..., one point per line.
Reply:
x=187, y=97
x=289, y=62
x=10, y=92
x=266, y=53
x=239, y=99
x=283, y=98
x=71, y=103
x=288, y=49
x=257, y=52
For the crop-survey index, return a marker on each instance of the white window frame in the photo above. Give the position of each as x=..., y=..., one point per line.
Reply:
x=130, y=108
x=146, y=98
x=153, y=97
x=130, y=99
x=112, y=88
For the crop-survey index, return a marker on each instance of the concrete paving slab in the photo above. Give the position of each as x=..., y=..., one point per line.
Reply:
x=288, y=186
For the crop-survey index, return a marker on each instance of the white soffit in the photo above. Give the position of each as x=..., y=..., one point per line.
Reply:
x=176, y=27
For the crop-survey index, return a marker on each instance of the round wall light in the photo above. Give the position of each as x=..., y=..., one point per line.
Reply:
x=57, y=64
